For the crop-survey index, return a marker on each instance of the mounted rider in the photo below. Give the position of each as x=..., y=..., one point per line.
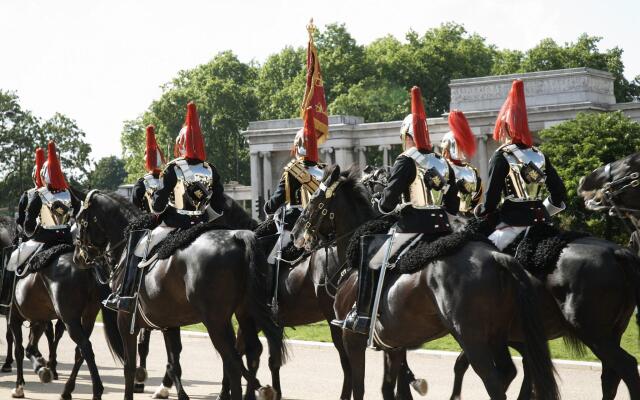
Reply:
x=518, y=172
x=189, y=192
x=458, y=145
x=421, y=190
x=300, y=179
x=28, y=194
x=47, y=221
x=145, y=187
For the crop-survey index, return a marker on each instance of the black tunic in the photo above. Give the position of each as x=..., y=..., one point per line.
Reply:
x=138, y=195
x=413, y=220
x=161, y=197
x=37, y=232
x=279, y=198
x=519, y=213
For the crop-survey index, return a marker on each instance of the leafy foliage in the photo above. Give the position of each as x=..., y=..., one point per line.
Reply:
x=108, y=173
x=579, y=146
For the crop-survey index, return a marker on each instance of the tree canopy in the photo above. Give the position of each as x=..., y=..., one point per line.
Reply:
x=108, y=173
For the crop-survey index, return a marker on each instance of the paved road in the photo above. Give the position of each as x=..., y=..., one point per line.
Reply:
x=312, y=373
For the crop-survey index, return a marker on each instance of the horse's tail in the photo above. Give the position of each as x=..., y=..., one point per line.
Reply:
x=631, y=264
x=535, y=341
x=111, y=332
x=258, y=295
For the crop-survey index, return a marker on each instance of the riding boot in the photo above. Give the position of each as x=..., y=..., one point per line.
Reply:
x=123, y=299
x=359, y=317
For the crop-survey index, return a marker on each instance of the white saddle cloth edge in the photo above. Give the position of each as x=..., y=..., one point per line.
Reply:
x=399, y=241
x=505, y=234
x=23, y=253
x=153, y=238
x=286, y=239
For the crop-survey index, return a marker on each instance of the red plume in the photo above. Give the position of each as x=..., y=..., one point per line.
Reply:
x=513, y=114
x=152, y=151
x=56, y=177
x=310, y=138
x=465, y=139
x=420, y=129
x=193, y=141
x=39, y=163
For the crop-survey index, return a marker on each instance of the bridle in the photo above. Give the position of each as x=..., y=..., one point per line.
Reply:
x=319, y=214
x=105, y=251
x=610, y=192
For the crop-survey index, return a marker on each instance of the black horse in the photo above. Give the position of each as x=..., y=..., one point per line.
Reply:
x=615, y=188
x=214, y=277
x=476, y=294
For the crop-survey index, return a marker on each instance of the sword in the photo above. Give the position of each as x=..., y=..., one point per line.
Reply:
x=376, y=302
x=280, y=226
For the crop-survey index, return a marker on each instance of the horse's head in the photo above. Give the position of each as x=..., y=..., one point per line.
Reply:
x=375, y=179
x=340, y=204
x=616, y=182
x=100, y=226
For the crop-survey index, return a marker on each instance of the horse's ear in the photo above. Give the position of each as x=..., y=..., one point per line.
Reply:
x=367, y=169
x=334, y=175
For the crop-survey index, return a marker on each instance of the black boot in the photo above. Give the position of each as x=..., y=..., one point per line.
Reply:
x=123, y=299
x=359, y=317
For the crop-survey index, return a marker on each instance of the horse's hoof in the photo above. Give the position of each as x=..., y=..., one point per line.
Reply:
x=141, y=374
x=18, y=393
x=6, y=367
x=267, y=393
x=224, y=396
x=45, y=375
x=162, y=392
x=420, y=386
x=65, y=396
x=138, y=387
x=54, y=374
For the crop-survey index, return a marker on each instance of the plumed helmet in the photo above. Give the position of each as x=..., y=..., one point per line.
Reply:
x=153, y=157
x=51, y=173
x=190, y=142
x=512, y=124
x=37, y=179
x=459, y=143
x=415, y=124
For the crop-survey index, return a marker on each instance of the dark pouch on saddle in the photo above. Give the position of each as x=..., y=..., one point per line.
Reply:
x=423, y=220
x=523, y=213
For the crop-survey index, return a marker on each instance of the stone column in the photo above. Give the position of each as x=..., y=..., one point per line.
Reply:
x=385, y=154
x=266, y=174
x=483, y=159
x=255, y=183
x=326, y=155
x=362, y=156
x=344, y=157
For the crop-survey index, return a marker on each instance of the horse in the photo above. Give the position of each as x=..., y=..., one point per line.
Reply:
x=615, y=188
x=68, y=292
x=476, y=294
x=221, y=267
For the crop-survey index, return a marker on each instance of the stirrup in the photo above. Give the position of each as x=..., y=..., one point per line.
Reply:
x=127, y=304
x=111, y=302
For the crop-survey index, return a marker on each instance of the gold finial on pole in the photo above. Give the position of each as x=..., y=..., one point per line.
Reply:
x=311, y=28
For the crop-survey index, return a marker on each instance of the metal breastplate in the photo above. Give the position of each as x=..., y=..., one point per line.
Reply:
x=151, y=184
x=526, y=173
x=56, y=210
x=467, y=184
x=193, y=188
x=432, y=179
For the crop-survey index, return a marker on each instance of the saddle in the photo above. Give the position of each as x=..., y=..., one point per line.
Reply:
x=22, y=254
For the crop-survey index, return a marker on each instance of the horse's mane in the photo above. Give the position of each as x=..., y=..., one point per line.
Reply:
x=350, y=180
x=129, y=210
x=243, y=219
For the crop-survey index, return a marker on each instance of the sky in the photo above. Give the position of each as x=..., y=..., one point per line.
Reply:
x=102, y=62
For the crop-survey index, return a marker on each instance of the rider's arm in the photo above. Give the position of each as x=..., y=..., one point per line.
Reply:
x=278, y=197
x=76, y=204
x=402, y=174
x=498, y=171
x=33, y=211
x=217, y=193
x=555, y=185
x=451, y=199
x=161, y=196
x=137, y=195
x=22, y=209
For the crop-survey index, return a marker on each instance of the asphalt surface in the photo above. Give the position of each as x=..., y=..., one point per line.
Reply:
x=313, y=372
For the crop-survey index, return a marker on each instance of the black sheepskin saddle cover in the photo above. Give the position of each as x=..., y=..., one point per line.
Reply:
x=268, y=231
x=141, y=223
x=539, y=250
x=429, y=249
x=43, y=258
x=182, y=238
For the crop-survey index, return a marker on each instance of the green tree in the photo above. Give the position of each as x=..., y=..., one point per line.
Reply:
x=579, y=146
x=223, y=90
x=280, y=84
x=374, y=101
x=108, y=173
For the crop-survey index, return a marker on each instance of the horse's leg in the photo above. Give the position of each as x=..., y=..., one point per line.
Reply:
x=615, y=359
x=53, y=349
x=38, y=362
x=405, y=380
x=173, y=345
x=356, y=346
x=459, y=369
x=392, y=364
x=80, y=335
x=16, y=329
x=504, y=364
x=70, y=385
x=223, y=339
x=336, y=337
x=481, y=359
x=8, y=362
x=249, y=344
x=129, y=344
x=143, y=351
x=526, y=390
